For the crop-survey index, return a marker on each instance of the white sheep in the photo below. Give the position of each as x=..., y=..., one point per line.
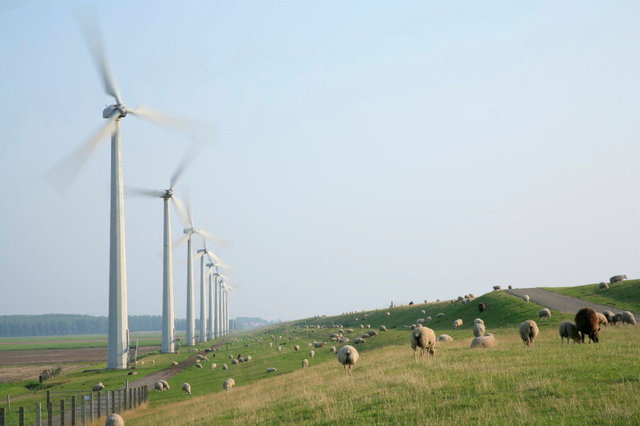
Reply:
x=333, y=350
x=425, y=339
x=602, y=319
x=544, y=313
x=444, y=338
x=528, y=332
x=165, y=384
x=198, y=365
x=296, y=348
x=186, y=388
x=603, y=286
x=382, y=328
x=114, y=419
x=526, y=297
x=228, y=384
x=478, y=321
x=486, y=341
x=305, y=363
x=159, y=386
x=213, y=366
x=348, y=356
x=272, y=370
x=225, y=367
x=98, y=387
x=312, y=354
x=440, y=314
x=234, y=362
x=359, y=340
x=628, y=318
x=568, y=330
x=457, y=323
x=478, y=329
x=174, y=362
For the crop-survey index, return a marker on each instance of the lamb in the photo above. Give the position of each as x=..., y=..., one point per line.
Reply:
x=528, y=332
x=98, y=387
x=425, y=339
x=272, y=370
x=628, y=318
x=486, y=341
x=174, y=362
x=482, y=307
x=602, y=320
x=233, y=362
x=359, y=340
x=114, y=419
x=228, y=384
x=478, y=329
x=617, y=278
x=296, y=348
x=568, y=330
x=312, y=354
x=478, y=321
x=457, y=323
x=213, y=366
x=587, y=323
x=225, y=367
x=444, y=338
x=603, y=286
x=348, y=356
x=305, y=363
x=526, y=297
x=544, y=313
x=382, y=328
x=333, y=350
x=186, y=388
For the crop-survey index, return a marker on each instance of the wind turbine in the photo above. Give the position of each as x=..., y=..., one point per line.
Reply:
x=225, y=308
x=117, y=345
x=168, y=316
x=210, y=265
x=213, y=258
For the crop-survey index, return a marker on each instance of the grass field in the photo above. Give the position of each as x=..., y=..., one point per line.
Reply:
x=551, y=383
x=70, y=342
x=624, y=295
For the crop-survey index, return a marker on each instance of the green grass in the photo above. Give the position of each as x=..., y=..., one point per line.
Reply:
x=624, y=295
x=70, y=342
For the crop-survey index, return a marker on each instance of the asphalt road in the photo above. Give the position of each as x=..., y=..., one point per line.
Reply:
x=562, y=303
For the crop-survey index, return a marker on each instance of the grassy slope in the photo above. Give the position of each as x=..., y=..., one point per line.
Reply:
x=624, y=295
x=551, y=383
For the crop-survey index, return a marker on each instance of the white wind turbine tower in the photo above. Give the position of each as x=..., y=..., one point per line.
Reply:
x=117, y=346
x=210, y=273
x=203, y=308
x=168, y=316
x=225, y=308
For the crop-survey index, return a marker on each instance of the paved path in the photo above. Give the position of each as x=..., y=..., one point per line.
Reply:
x=560, y=302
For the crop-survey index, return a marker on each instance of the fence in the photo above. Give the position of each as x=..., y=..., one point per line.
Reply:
x=74, y=408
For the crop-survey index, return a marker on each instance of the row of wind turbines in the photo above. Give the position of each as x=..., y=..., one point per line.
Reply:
x=213, y=284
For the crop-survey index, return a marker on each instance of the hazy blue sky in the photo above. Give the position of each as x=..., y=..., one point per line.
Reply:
x=364, y=151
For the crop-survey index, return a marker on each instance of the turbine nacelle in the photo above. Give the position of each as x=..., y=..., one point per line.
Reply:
x=189, y=231
x=167, y=194
x=111, y=110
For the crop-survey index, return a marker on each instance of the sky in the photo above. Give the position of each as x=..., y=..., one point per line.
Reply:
x=359, y=152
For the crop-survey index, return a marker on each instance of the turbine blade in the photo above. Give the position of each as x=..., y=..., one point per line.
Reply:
x=216, y=260
x=182, y=211
x=197, y=131
x=143, y=192
x=90, y=25
x=209, y=236
x=181, y=241
x=63, y=173
x=189, y=156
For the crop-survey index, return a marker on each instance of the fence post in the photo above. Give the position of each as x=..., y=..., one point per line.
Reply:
x=38, y=414
x=73, y=410
x=113, y=401
x=21, y=416
x=2, y=422
x=119, y=405
x=91, y=406
x=84, y=409
x=49, y=414
x=62, y=412
x=99, y=405
x=48, y=397
x=8, y=403
x=130, y=398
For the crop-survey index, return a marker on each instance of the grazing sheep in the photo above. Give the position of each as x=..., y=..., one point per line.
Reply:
x=496, y=287
x=528, y=332
x=457, y=323
x=132, y=373
x=186, y=388
x=617, y=318
x=568, y=330
x=165, y=384
x=225, y=367
x=388, y=313
x=272, y=370
x=603, y=286
x=305, y=363
x=98, y=387
x=423, y=312
x=440, y=314
x=279, y=348
x=159, y=386
x=114, y=419
x=425, y=339
x=486, y=341
x=444, y=338
x=602, y=320
x=372, y=333
x=213, y=366
x=617, y=278
x=333, y=350
x=609, y=315
x=382, y=328
x=482, y=307
x=478, y=329
x=348, y=356
x=174, y=362
x=296, y=348
x=526, y=297
x=312, y=354
x=359, y=340
x=509, y=287
x=587, y=323
x=228, y=384
x=628, y=318
x=233, y=362
x=247, y=358
x=478, y=321
x=544, y=313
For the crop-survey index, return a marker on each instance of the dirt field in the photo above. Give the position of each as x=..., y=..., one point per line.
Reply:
x=22, y=365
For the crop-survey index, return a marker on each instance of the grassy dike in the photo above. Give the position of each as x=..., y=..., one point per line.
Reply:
x=624, y=295
x=552, y=383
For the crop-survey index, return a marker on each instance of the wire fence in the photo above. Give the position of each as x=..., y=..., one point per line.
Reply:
x=74, y=408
